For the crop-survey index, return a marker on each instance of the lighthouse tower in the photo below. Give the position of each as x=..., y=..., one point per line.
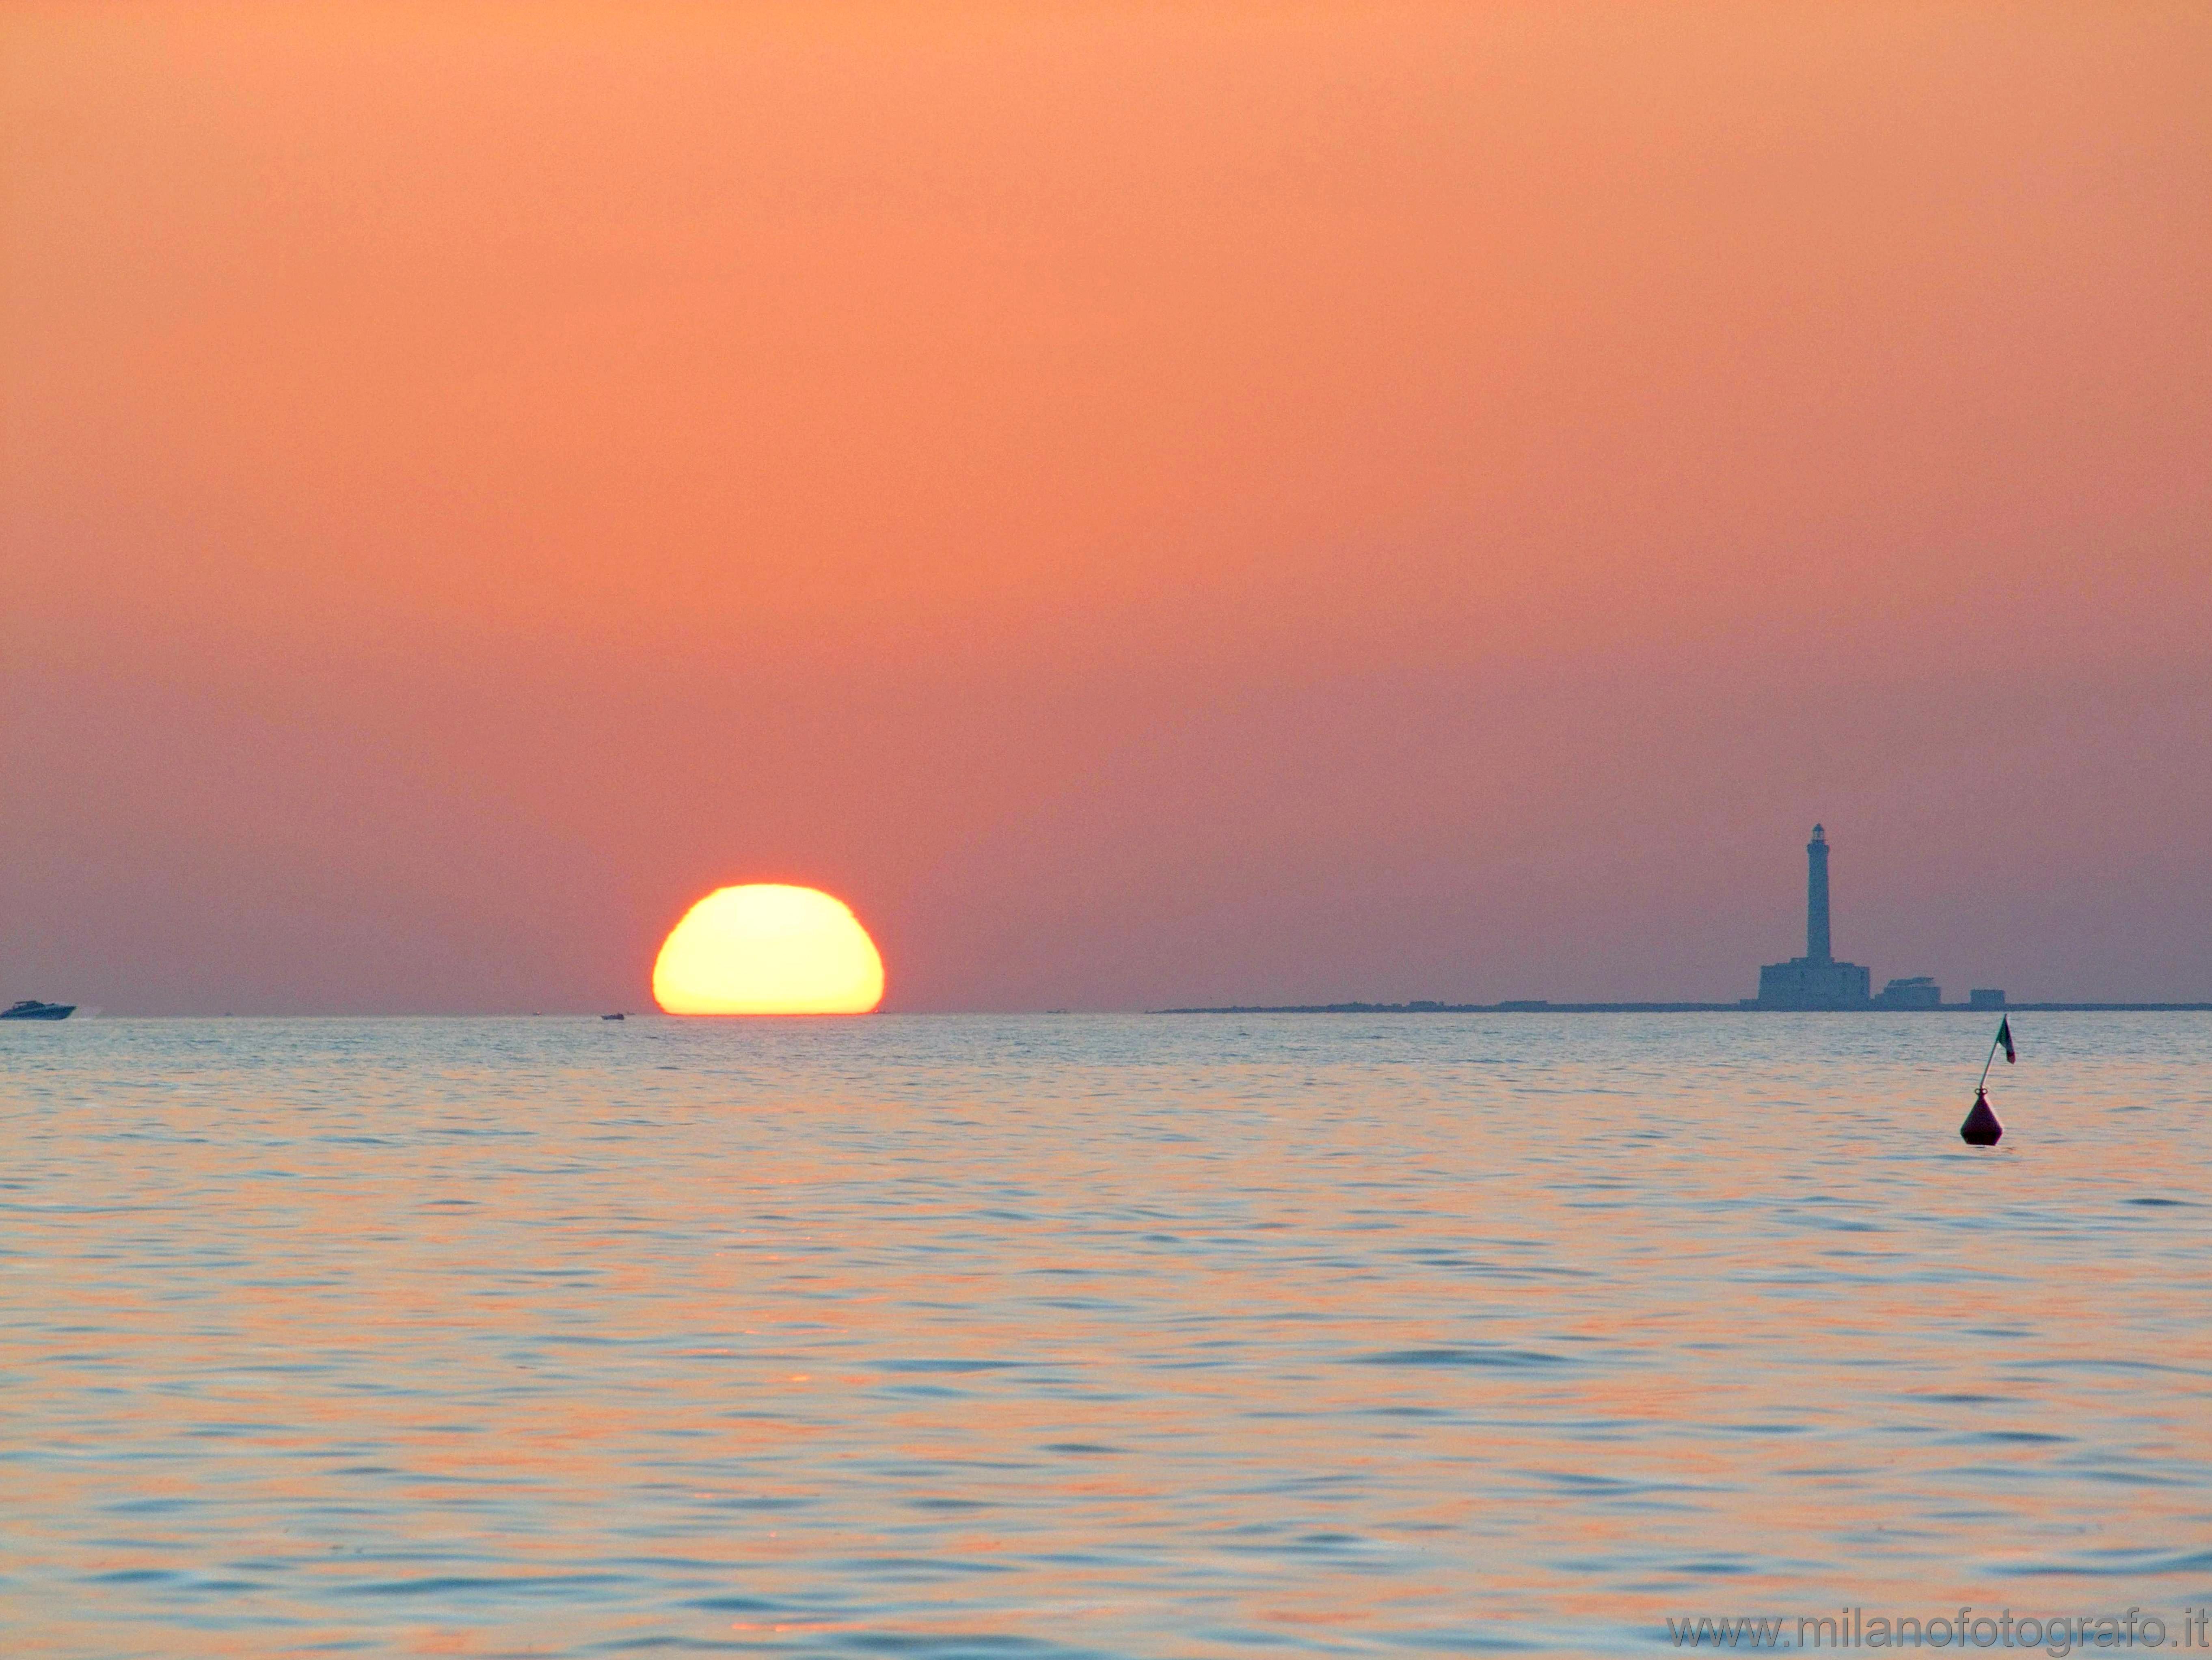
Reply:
x=1816, y=899
x=1816, y=980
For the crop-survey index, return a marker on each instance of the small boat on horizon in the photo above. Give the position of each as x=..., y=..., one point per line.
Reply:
x=610, y=1017
x=31, y=1009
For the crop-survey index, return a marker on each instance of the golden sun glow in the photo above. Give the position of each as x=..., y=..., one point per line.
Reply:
x=766, y=948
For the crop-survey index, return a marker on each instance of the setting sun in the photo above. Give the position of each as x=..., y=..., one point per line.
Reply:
x=767, y=948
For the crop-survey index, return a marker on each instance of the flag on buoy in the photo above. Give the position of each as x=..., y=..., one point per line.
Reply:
x=2004, y=1038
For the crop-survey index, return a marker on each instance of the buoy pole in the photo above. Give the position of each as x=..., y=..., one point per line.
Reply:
x=1982, y=1083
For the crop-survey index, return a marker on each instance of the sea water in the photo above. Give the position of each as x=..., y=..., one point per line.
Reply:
x=1047, y=1337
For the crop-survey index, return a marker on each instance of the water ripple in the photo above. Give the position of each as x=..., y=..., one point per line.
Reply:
x=1080, y=1338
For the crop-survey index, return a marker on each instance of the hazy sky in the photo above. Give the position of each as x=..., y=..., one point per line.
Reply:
x=1149, y=503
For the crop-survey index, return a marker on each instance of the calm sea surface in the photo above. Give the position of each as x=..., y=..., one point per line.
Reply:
x=1068, y=1336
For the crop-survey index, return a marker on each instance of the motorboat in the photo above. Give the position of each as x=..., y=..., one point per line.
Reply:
x=31, y=1009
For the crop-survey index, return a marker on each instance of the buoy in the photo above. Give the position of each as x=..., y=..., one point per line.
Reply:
x=1981, y=1128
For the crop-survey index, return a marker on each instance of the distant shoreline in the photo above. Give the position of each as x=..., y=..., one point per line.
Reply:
x=1535, y=1007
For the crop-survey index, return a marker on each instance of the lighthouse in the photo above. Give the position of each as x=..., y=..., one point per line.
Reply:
x=1816, y=899
x=1816, y=980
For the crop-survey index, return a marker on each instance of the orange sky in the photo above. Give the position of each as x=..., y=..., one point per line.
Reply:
x=1294, y=501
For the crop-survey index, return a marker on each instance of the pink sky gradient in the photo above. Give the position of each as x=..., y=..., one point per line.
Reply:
x=1297, y=502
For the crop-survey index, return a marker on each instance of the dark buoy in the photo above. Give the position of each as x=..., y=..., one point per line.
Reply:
x=1981, y=1128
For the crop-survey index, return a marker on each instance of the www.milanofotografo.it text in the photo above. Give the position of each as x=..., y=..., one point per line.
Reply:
x=1966, y=1627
